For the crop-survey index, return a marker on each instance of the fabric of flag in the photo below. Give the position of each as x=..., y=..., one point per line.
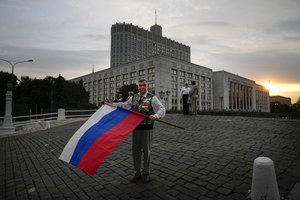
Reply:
x=99, y=136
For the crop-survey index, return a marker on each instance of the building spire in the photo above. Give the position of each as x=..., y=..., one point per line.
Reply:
x=155, y=16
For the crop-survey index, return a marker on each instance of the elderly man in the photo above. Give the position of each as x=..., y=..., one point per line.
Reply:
x=149, y=105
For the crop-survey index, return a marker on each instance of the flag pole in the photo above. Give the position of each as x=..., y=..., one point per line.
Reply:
x=168, y=123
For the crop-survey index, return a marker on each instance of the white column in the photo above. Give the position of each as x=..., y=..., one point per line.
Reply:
x=7, y=126
x=242, y=98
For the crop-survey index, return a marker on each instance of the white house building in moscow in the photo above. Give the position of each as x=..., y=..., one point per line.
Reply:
x=140, y=54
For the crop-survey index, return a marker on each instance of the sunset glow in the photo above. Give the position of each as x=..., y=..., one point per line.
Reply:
x=291, y=90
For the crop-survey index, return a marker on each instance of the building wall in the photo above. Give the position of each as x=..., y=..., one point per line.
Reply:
x=137, y=53
x=281, y=99
x=236, y=93
x=262, y=98
x=163, y=73
x=130, y=43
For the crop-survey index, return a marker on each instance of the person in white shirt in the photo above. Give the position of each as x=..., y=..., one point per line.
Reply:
x=184, y=93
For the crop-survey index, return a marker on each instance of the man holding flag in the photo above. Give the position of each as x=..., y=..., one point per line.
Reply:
x=150, y=106
x=109, y=126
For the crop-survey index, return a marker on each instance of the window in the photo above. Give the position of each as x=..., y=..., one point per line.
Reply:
x=132, y=81
x=189, y=75
x=151, y=85
x=182, y=73
x=111, y=79
x=151, y=70
x=125, y=76
x=151, y=78
x=174, y=71
x=132, y=74
x=118, y=77
x=141, y=72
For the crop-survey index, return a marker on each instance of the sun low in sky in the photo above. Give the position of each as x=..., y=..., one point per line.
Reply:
x=291, y=90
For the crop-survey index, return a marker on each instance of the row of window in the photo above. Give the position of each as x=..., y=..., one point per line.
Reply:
x=181, y=73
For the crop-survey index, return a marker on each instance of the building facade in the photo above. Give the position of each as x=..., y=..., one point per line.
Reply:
x=165, y=75
x=141, y=54
x=236, y=93
x=281, y=100
x=130, y=43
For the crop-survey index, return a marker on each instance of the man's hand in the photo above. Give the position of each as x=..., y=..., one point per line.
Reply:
x=153, y=117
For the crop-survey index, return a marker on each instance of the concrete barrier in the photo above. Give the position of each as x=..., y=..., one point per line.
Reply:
x=61, y=114
x=264, y=183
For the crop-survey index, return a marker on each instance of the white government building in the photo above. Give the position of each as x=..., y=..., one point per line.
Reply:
x=137, y=53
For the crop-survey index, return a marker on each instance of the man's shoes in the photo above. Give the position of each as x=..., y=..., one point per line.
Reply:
x=135, y=178
x=146, y=179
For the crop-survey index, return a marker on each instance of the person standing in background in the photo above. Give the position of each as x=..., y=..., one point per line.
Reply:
x=193, y=94
x=184, y=93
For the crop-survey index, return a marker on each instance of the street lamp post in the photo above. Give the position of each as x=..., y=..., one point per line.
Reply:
x=7, y=126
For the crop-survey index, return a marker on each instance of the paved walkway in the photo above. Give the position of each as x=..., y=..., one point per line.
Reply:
x=211, y=159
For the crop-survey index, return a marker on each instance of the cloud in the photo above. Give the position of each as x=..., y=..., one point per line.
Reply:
x=95, y=36
x=279, y=66
x=69, y=64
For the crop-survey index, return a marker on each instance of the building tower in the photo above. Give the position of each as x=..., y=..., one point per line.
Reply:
x=130, y=43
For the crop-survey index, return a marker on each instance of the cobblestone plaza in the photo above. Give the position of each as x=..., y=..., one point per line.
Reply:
x=211, y=159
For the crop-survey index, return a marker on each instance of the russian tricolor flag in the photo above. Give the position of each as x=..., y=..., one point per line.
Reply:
x=99, y=136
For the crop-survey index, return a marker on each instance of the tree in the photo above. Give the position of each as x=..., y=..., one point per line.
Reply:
x=5, y=78
x=44, y=95
x=127, y=88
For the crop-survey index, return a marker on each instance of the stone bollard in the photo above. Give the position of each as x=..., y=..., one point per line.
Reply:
x=264, y=183
x=45, y=125
x=61, y=114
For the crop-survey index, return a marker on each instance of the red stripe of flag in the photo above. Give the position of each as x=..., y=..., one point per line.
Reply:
x=105, y=144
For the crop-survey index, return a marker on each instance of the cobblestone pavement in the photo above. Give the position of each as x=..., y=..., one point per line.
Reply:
x=211, y=159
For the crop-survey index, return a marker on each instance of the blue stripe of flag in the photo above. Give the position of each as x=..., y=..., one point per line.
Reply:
x=96, y=131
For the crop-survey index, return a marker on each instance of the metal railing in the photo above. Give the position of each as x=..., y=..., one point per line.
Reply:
x=79, y=113
x=23, y=120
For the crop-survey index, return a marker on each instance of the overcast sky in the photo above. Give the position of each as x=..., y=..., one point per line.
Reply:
x=256, y=39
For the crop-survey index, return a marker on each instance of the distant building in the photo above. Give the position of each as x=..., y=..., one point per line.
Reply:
x=164, y=74
x=166, y=64
x=236, y=93
x=130, y=43
x=281, y=100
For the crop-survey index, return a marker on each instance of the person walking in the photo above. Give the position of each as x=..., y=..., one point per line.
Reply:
x=147, y=104
x=184, y=93
x=193, y=94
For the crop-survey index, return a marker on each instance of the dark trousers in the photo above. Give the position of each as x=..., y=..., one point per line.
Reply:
x=141, y=143
x=185, y=98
